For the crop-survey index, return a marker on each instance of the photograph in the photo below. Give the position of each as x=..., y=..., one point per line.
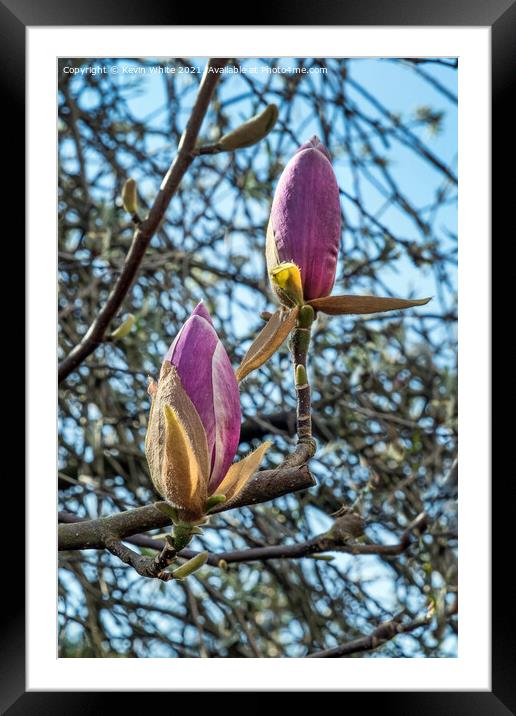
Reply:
x=257, y=296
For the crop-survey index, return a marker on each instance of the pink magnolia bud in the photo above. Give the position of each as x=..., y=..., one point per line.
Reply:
x=304, y=226
x=209, y=381
x=194, y=425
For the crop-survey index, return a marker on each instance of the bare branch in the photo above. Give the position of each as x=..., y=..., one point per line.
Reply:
x=92, y=534
x=385, y=632
x=151, y=567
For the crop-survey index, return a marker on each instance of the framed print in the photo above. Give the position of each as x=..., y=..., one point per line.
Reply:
x=269, y=428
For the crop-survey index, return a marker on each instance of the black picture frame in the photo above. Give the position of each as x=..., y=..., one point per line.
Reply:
x=500, y=16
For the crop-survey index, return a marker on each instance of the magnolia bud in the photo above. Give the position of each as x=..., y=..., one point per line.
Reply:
x=124, y=328
x=129, y=197
x=304, y=225
x=250, y=132
x=191, y=566
x=194, y=427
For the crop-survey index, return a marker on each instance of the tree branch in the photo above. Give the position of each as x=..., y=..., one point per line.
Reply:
x=146, y=566
x=146, y=229
x=385, y=632
x=317, y=545
x=266, y=485
x=154, y=566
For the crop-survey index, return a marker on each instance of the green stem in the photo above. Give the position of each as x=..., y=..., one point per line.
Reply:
x=182, y=533
x=299, y=347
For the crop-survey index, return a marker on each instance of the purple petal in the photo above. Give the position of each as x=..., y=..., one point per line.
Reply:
x=201, y=310
x=207, y=377
x=314, y=143
x=192, y=354
x=226, y=401
x=305, y=218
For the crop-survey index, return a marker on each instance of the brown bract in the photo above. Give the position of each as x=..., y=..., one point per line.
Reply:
x=176, y=446
x=341, y=305
x=270, y=338
x=177, y=451
x=240, y=473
